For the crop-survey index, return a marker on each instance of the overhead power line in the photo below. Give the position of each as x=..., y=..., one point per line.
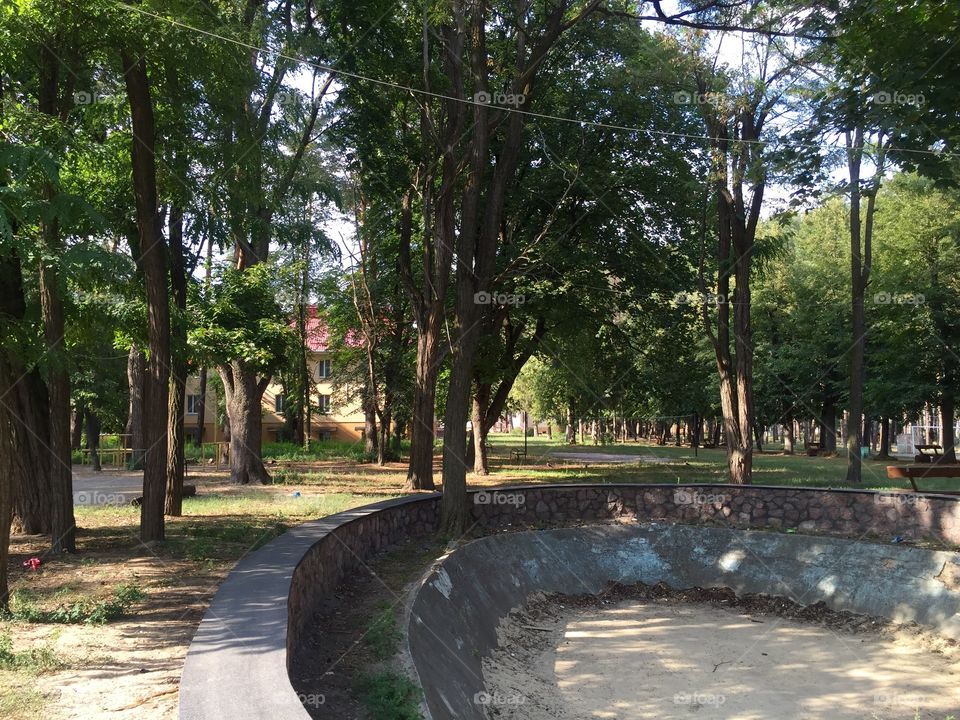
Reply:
x=470, y=101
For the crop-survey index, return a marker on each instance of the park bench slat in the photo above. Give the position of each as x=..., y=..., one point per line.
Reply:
x=931, y=470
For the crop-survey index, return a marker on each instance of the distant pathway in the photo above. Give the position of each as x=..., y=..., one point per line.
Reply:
x=609, y=457
x=105, y=488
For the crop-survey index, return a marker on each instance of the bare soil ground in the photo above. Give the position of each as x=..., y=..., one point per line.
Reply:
x=357, y=630
x=642, y=652
x=130, y=667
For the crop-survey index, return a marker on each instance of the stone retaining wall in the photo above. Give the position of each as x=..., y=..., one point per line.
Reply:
x=343, y=551
x=847, y=513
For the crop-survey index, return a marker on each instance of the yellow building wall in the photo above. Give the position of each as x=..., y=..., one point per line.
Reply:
x=342, y=423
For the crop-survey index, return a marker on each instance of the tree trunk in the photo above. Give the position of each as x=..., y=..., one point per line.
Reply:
x=244, y=394
x=202, y=409
x=828, y=425
x=860, y=265
x=420, y=470
x=76, y=428
x=788, y=436
x=27, y=403
x=93, y=439
x=24, y=480
x=152, y=260
x=481, y=465
x=176, y=460
x=884, y=453
x=570, y=431
x=947, y=420
x=383, y=441
x=398, y=428
x=11, y=474
x=133, y=432
x=63, y=527
x=369, y=424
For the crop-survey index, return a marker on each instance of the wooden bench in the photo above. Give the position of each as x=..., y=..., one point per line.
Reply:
x=927, y=453
x=813, y=448
x=518, y=454
x=930, y=470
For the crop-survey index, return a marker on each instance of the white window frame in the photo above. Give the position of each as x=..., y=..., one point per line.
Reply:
x=324, y=400
x=196, y=404
x=320, y=366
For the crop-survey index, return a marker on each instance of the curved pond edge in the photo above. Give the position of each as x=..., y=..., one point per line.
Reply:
x=237, y=664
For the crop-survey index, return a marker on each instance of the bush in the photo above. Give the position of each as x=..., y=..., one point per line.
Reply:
x=319, y=450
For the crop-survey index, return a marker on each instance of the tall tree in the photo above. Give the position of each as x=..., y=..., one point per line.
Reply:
x=151, y=256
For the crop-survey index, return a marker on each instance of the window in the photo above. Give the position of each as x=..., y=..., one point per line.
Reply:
x=278, y=403
x=193, y=404
x=324, y=405
x=323, y=369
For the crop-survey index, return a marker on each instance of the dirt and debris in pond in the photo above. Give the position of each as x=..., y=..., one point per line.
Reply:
x=640, y=651
x=355, y=634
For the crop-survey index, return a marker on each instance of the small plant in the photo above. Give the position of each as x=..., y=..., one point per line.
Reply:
x=389, y=696
x=90, y=612
x=382, y=634
x=35, y=660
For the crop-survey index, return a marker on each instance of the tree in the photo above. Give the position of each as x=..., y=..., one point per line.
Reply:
x=245, y=333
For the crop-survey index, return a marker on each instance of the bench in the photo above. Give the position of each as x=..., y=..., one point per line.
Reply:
x=930, y=470
x=927, y=453
x=108, y=456
x=518, y=454
x=813, y=448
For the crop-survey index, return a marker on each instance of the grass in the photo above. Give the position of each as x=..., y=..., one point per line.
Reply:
x=382, y=634
x=685, y=465
x=389, y=695
x=21, y=701
x=86, y=610
x=33, y=661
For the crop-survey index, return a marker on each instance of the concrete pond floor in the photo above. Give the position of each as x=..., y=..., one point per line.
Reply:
x=639, y=659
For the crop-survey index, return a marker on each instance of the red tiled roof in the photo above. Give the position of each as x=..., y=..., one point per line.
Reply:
x=318, y=334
